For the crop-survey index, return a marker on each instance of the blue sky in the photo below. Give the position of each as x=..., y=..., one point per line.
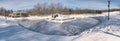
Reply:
x=84, y=4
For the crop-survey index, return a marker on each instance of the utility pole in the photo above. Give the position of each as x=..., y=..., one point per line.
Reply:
x=109, y=9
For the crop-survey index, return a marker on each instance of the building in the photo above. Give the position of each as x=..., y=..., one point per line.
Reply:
x=19, y=14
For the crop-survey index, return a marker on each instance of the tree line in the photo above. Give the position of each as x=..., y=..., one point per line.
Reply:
x=5, y=12
x=48, y=9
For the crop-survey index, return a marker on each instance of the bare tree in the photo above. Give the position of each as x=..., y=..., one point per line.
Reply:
x=47, y=9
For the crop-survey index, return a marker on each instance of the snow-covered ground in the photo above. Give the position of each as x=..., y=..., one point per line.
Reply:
x=84, y=28
x=55, y=28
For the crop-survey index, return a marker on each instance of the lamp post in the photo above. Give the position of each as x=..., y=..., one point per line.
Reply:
x=109, y=9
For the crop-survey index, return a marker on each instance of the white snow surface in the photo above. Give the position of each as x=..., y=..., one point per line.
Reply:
x=92, y=27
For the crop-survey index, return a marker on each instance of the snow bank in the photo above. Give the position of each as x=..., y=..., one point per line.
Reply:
x=98, y=36
x=106, y=31
x=5, y=22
